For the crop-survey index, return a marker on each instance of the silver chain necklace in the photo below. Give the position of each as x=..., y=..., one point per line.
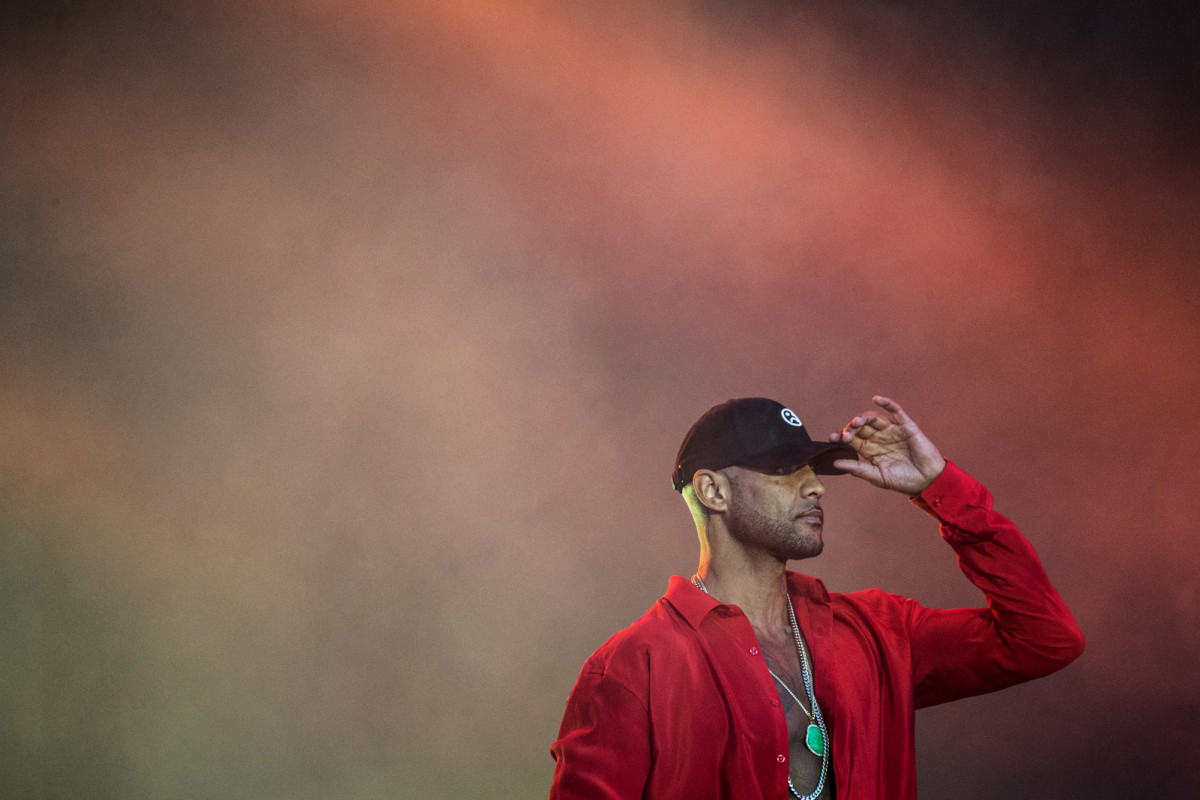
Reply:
x=815, y=736
x=792, y=695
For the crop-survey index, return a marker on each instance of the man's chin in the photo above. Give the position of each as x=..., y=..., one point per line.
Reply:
x=809, y=549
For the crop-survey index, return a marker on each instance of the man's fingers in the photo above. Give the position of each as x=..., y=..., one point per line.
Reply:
x=864, y=426
x=892, y=407
x=847, y=465
x=858, y=469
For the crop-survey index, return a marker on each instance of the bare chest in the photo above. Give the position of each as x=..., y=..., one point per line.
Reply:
x=804, y=736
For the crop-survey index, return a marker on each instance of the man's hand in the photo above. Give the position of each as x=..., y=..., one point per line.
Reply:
x=892, y=451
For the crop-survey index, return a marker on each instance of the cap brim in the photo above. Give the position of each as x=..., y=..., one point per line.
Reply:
x=818, y=455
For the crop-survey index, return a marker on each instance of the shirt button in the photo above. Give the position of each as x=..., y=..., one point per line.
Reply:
x=775, y=702
x=781, y=758
x=753, y=651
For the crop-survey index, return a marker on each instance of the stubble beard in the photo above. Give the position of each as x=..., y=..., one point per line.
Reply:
x=786, y=539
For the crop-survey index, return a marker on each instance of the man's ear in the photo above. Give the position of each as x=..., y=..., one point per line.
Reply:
x=712, y=489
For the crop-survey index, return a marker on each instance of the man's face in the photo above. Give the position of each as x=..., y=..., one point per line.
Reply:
x=777, y=511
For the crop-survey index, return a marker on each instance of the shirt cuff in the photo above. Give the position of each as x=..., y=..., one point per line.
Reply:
x=952, y=493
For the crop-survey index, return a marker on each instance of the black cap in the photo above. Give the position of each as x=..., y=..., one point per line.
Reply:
x=753, y=432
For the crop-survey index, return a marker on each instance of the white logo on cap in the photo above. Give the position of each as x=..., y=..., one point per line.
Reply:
x=790, y=418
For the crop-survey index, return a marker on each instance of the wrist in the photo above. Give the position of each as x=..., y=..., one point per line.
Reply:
x=930, y=475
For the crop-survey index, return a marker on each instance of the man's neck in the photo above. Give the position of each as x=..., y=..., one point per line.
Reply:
x=757, y=589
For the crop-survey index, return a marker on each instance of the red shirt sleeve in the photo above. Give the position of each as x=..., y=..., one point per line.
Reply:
x=603, y=746
x=1025, y=632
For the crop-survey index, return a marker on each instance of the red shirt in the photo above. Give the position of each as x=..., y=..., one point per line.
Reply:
x=680, y=704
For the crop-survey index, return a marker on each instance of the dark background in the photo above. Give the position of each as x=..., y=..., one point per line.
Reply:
x=345, y=349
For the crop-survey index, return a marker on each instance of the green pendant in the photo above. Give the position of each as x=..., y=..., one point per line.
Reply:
x=815, y=740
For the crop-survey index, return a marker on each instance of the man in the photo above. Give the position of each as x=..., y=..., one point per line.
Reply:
x=748, y=681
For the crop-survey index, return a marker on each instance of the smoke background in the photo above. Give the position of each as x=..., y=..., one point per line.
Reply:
x=346, y=349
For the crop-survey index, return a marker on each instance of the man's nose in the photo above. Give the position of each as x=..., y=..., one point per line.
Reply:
x=808, y=484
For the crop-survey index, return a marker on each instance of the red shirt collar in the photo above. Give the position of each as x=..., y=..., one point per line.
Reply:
x=695, y=605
